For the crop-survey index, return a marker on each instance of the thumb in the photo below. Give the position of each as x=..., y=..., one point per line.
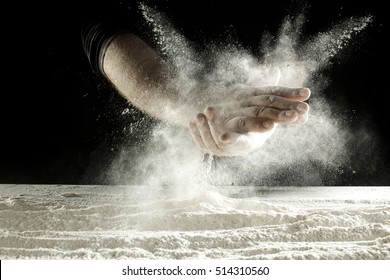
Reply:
x=229, y=137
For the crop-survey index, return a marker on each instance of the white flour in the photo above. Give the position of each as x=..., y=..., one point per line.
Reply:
x=124, y=222
x=326, y=142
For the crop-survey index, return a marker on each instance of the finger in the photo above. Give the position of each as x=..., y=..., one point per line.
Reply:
x=275, y=115
x=297, y=114
x=276, y=102
x=194, y=131
x=215, y=122
x=248, y=124
x=300, y=94
x=229, y=137
x=302, y=119
x=205, y=133
x=303, y=116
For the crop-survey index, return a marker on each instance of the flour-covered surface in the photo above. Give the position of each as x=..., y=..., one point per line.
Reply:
x=140, y=222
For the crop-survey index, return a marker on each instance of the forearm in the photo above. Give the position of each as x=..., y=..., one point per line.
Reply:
x=142, y=77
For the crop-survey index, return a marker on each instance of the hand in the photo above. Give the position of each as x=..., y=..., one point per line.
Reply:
x=212, y=135
x=243, y=125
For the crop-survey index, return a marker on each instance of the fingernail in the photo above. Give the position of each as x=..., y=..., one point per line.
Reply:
x=228, y=138
x=289, y=113
x=209, y=112
x=301, y=108
x=200, y=121
x=304, y=92
x=224, y=138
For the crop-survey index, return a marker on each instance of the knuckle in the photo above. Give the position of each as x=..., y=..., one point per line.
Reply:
x=241, y=123
x=259, y=111
x=270, y=99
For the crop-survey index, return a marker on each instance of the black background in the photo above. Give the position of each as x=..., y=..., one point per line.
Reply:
x=61, y=124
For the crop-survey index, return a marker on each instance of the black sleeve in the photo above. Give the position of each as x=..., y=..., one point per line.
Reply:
x=95, y=38
x=101, y=23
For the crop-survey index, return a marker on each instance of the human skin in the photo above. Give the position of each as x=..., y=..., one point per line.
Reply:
x=235, y=122
x=252, y=122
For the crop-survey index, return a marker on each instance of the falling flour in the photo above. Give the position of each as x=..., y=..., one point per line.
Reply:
x=312, y=154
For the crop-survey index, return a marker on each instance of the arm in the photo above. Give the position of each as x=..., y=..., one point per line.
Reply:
x=141, y=76
x=244, y=116
x=136, y=71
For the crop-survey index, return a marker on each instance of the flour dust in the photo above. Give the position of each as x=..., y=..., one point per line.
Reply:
x=315, y=153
